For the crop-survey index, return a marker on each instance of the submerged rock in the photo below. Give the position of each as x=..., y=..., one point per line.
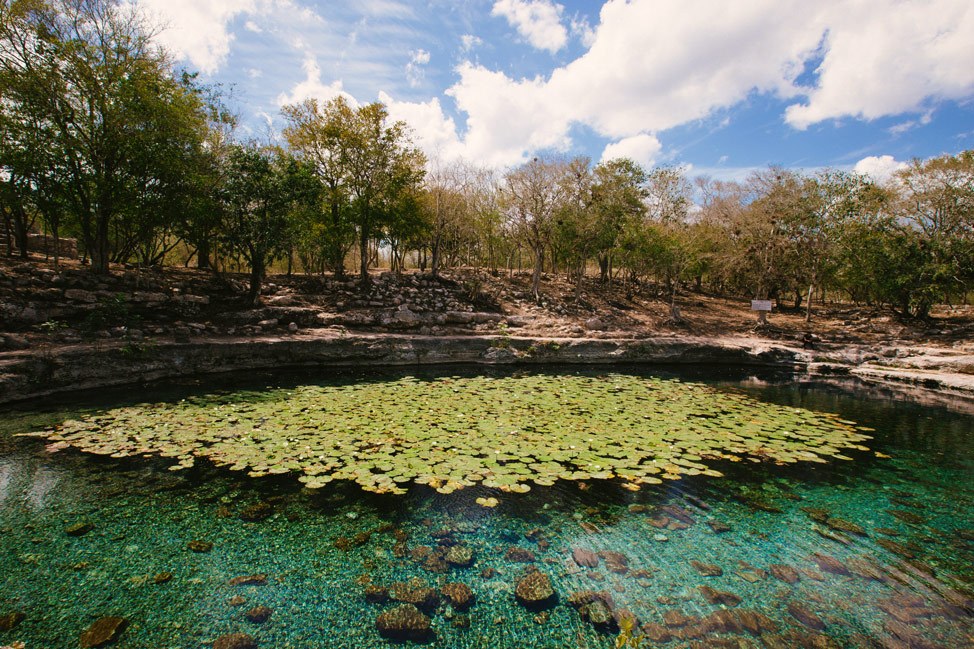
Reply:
x=535, y=591
x=249, y=580
x=719, y=527
x=404, y=622
x=581, y=598
x=520, y=555
x=585, y=558
x=830, y=564
x=616, y=562
x=706, y=569
x=907, y=517
x=842, y=525
x=460, y=556
x=414, y=592
x=162, y=578
x=376, y=594
x=256, y=513
x=715, y=596
x=599, y=616
x=784, y=572
x=801, y=613
x=258, y=614
x=235, y=641
x=459, y=595
x=199, y=546
x=11, y=620
x=676, y=618
x=102, y=631
x=79, y=529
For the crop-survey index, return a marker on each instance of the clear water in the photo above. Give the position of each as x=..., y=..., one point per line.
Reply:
x=914, y=592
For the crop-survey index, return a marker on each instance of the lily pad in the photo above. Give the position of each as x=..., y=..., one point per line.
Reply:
x=454, y=433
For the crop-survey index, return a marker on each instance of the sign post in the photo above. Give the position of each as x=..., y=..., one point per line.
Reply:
x=762, y=307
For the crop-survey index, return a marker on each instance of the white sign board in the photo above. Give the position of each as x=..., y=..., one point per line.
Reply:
x=760, y=305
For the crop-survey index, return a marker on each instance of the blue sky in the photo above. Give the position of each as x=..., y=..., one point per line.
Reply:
x=719, y=86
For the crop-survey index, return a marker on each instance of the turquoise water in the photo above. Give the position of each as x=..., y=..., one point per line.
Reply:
x=905, y=581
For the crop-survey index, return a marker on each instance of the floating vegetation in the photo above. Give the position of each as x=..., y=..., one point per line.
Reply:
x=449, y=433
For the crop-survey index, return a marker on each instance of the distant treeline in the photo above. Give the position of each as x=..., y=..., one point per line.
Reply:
x=102, y=140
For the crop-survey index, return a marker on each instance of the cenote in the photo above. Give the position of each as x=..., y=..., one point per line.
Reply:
x=305, y=511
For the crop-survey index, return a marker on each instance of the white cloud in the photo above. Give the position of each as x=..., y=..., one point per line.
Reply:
x=432, y=131
x=657, y=64
x=469, y=41
x=642, y=148
x=537, y=21
x=197, y=30
x=583, y=30
x=250, y=25
x=313, y=88
x=889, y=58
x=879, y=168
x=254, y=73
x=414, y=69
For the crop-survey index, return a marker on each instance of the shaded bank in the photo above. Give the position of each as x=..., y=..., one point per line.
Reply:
x=57, y=370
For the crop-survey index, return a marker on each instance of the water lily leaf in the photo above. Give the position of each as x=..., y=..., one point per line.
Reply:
x=451, y=434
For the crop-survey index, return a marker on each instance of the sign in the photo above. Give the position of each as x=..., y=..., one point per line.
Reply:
x=760, y=305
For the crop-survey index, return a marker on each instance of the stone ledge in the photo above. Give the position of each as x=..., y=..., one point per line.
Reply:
x=34, y=373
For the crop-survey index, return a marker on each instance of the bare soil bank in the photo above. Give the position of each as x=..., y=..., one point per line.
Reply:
x=62, y=329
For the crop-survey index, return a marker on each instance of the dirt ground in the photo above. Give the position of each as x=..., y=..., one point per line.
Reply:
x=603, y=310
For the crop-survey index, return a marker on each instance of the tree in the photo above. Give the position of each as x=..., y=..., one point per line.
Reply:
x=262, y=190
x=532, y=195
x=320, y=133
x=380, y=164
x=936, y=197
x=617, y=202
x=90, y=86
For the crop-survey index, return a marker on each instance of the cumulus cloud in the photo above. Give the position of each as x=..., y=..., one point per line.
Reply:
x=195, y=30
x=657, y=64
x=642, y=148
x=537, y=21
x=879, y=168
x=885, y=60
x=432, y=131
x=313, y=88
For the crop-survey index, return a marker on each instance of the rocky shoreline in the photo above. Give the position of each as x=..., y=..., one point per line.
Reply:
x=58, y=370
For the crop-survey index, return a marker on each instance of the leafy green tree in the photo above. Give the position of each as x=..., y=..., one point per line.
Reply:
x=936, y=197
x=618, y=193
x=381, y=165
x=321, y=133
x=263, y=190
x=87, y=81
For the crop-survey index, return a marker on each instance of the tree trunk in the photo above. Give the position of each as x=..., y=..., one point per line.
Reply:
x=203, y=254
x=363, y=248
x=808, y=305
x=435, y=257
x=536, y=278
x=256, y=276
x=580, y=274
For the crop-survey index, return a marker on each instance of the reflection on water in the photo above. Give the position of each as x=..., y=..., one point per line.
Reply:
x=878, y=552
